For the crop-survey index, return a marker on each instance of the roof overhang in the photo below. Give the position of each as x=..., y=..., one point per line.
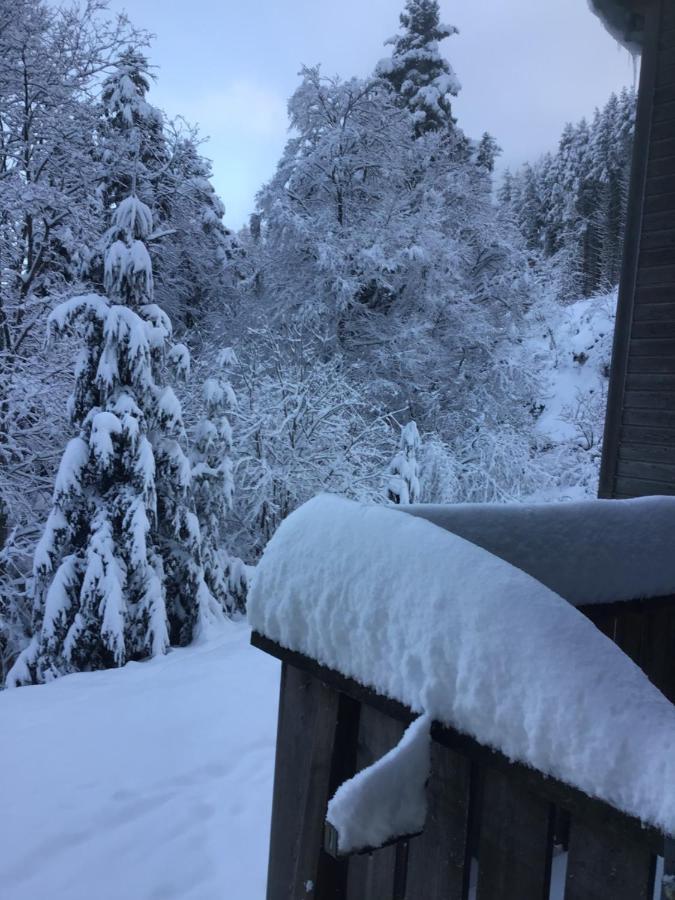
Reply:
x=624, y=19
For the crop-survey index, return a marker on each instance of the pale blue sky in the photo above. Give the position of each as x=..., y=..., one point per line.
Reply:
x=526, y=66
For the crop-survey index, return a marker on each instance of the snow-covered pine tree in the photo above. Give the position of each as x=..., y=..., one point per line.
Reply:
x=117, y=572
x=571, y=205
x=404, y=484
x=487, y=152
x=133, y=145
x=51, y=58
x=212, y=476
x=139, y=147
x=422, y=78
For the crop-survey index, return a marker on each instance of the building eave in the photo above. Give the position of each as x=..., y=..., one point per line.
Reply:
x=624, y=19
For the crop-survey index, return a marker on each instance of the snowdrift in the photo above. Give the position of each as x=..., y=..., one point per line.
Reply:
x=426, y=617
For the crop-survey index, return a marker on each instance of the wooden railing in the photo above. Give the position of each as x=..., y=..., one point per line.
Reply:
x=493, y=827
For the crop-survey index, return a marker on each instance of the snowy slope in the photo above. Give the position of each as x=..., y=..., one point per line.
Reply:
x=571, y=349
x=152, y=781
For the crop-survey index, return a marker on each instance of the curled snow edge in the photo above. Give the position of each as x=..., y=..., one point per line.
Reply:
x=388, y=799
x=423, y=616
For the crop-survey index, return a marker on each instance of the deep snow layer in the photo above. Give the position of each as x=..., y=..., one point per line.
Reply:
x=590, y=551
x=146, y=783
x=428, y=618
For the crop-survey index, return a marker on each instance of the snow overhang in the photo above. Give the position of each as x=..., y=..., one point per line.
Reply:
x=624, y=19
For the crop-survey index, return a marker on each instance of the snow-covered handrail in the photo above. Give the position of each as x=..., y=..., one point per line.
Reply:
x=424, y=617
x=591, y=551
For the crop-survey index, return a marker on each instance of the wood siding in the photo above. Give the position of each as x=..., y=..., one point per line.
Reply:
x=490, y=821
x=639, y=446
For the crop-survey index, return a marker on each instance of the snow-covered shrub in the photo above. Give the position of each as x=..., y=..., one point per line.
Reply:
x=404, y=482
x=304, y=425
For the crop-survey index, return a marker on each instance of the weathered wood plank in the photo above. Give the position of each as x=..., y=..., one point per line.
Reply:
x=664, y=328
x=665, y=57
x=660, y=203
x=647, y=452
x=650, y=382
x=666, y=72
x=661, y=184
x=655, y=312
x=638, y=487
x=629, y=634
x=308, y=712
x=651, y=257
x=662, y=149
x=658, y=275
x=601, y=865
x=641, y=605
x=652, y=347
x=659, y=651
x=649, y=417
x=651, y=365
x=436, y=859
x=373, y=874
x=401, y=870
x=664, y=109
x=664, y=293
x=657, y=220
x=663, y=129
x=650, y=400
x=665, y=92
x=665, y=166
x=331, y=883
x=657, y=240
x=516, y=842
x=667, y=39
x=645, y=436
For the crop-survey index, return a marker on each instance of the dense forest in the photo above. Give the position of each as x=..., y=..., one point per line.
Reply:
x=397, y=323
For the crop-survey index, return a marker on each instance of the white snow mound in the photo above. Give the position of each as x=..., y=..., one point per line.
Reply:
x=423, y=616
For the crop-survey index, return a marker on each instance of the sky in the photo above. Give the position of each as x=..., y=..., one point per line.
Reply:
x=526, y=68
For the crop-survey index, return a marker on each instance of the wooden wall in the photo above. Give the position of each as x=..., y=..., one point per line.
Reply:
x=490, y=822
x=639, y=447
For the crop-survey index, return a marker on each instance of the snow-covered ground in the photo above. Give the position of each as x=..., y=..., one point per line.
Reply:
x=571, y=349
x=149, y=782
x=575, y=348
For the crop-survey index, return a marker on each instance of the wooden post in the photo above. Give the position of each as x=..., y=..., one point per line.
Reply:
x=605, y=864
x=635, y=352
x=372, y=875
x=308, y=715
x=437, y=858
x=516, y=841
